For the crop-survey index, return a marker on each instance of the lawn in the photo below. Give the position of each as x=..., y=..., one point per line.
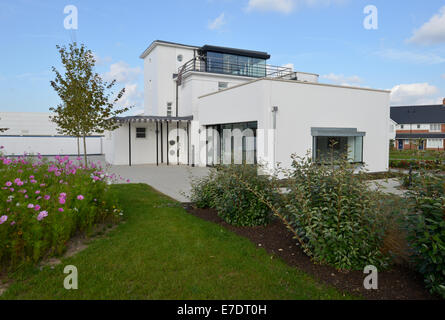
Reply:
x=162, y=252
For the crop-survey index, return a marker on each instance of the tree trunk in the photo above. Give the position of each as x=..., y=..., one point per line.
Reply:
x=85, y=151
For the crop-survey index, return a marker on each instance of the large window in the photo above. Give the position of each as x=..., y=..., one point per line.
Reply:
x=233, y=143
x=334, y=148
x=337, y=143
x=235, y=65
x=435, y=127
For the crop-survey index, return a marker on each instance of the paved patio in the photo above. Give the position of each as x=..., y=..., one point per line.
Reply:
x=171, y=180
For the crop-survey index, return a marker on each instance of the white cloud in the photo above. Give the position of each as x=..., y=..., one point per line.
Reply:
x=218, y=22
x=410, y=57
x=132, y=97
x=283, y=6
x=122, y=72
x=415, y=94
x=101, y=60
x=432, y=32
x=343, y=80
x=287, y=6
x=128, y=77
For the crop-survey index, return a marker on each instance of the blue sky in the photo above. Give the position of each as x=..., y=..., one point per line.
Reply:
x=405, y=54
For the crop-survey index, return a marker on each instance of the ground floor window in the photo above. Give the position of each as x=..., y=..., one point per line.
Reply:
x=232, y=143
x=141, y=133
x=434, y=143
x=333, y=148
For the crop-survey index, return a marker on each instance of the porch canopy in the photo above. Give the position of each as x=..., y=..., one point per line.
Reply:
x=160, y=121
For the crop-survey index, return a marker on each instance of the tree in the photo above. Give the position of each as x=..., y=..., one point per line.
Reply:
x=87, y=104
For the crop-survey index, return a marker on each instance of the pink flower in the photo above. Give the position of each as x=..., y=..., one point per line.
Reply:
x=30, y=206
x=47, y=197
x=3, y=219
x=42, y=215
x=80, y=197
x=62, y=200
x=8, y=184
x=12, y=223
x=37, y=192
x=37, y=207
x=61, y=210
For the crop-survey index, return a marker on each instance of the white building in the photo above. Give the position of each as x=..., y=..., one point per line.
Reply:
x=34, y=132
x=210, y=105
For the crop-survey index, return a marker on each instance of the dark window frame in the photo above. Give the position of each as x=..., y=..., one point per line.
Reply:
x=141, y=135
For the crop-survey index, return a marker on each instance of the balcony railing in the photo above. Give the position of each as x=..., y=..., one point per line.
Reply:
x=200, y=64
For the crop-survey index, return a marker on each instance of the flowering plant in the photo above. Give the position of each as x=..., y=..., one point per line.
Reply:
x=44, y=203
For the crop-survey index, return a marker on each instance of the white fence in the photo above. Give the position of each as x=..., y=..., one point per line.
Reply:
x=49, y=145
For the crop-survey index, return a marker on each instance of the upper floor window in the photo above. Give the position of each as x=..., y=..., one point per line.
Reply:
x=435, y=127
x=402, y=126
x=169, y=109
x=180, y=57
x=418, y=126
x=141, y=132
x=222, y=85
x=235, y=65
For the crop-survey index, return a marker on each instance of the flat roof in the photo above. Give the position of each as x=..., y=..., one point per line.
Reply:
x=168, y=43
x=296, y=82
x=239, y=52
x=151, y=118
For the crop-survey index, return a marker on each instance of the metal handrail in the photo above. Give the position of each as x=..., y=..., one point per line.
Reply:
x=200, y=64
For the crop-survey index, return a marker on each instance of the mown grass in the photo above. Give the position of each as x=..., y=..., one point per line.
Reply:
x=162, y=252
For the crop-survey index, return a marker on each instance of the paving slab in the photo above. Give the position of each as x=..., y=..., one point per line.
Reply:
x=171, y=180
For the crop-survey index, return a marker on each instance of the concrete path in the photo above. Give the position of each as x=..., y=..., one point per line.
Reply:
x=390, y=186
x=170, y=180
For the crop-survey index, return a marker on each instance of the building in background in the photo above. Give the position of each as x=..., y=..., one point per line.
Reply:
x=194, y=95
x=419, y=127
x=34, y=132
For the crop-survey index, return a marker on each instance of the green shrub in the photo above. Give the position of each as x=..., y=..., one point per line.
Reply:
x=205, y=190
x=335, y=214
x=426, y=229
x=230, y=190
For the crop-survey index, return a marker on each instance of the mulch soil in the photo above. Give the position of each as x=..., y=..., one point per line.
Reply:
x=398, y=283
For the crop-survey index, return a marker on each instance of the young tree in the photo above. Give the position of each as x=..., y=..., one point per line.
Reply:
x=87, y=104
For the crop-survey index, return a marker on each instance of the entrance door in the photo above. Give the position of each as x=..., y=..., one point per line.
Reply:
x=400, y=144
x=421, y=145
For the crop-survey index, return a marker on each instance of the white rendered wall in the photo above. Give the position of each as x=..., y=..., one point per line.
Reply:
x=34, y=132
x=302, y=106
x=143, y=150
x=16, y=145
x=160, y=87
x=27, y=123
x=196, y=84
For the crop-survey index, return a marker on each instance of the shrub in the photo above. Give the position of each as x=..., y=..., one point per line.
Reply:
x=234, y=200
x=44, y=203
x=426, y=229
x=335, y=214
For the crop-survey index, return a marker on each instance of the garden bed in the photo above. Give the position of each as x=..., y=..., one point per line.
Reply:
x=399, y=283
